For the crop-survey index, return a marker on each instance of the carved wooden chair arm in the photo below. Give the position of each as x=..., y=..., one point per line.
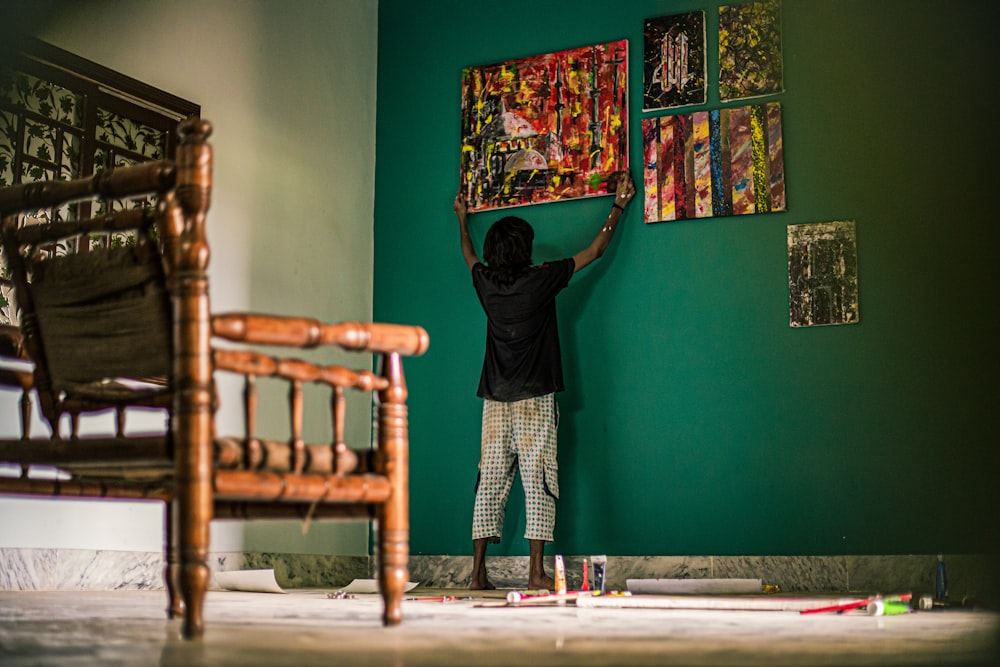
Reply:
x=249, y=362
x=110, y=184
x=307, y=333
x=295, y=455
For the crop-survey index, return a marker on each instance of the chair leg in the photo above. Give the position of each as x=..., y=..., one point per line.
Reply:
x=193, y=576
x=192, y=419
x=194, y=584
x=192, y=514
x=175, y=606
x=394, y=516
x=393, y=552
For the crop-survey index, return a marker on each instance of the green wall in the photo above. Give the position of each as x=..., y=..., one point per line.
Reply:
x=696, y=421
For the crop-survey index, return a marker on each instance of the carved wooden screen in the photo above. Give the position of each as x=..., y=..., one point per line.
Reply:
x=64, y=117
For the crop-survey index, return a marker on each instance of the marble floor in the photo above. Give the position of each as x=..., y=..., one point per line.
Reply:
x=309, y=627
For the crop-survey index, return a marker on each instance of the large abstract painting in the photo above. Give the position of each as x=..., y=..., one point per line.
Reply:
x=674, y=61
x=714, y=163
x=822, y=274
x=546, y=128
x=750, y=61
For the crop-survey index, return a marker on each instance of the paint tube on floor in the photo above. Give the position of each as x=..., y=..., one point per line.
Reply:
x=517, y=596
x=560, y=578
x=888, y=607
x=599, y=563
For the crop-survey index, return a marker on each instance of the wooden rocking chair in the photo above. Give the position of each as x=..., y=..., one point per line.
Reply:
x=121, y=327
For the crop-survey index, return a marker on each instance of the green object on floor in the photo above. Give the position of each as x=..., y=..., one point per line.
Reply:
x=888, y=608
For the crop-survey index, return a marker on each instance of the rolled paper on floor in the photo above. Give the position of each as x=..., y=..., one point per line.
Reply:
x=257, y=581
x=694, y=586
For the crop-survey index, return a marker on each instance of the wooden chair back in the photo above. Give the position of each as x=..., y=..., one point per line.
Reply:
x=128, y=324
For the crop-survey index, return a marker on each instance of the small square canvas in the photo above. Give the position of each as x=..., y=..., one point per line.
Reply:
x=545, y=128
x=674, y=73
x=750, y=60
x=822, y=274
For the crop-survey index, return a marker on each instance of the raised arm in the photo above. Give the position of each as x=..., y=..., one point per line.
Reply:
x=626, y=190
x=462, y=213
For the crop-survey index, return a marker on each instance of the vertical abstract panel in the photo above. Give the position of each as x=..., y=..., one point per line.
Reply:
x=668, y=202
x=674, y=71
x=760, y=159
x=651, y=158
x=741, y=146
x=750, y=60
x=714, y=163
x=822, y=274
x=545, y=128
x=683, y=167
x=776, y=156
x=720, y=203
x=702, y=165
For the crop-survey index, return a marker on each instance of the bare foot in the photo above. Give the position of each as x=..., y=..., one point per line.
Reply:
x=481, y=585
x=479, y=580
x=542, y=582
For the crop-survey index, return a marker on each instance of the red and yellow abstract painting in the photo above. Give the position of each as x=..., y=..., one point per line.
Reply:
x=545, y=128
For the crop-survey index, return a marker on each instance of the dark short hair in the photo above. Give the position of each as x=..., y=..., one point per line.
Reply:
x=508, y=244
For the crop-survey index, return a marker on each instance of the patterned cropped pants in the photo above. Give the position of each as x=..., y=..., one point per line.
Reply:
x=518, y=435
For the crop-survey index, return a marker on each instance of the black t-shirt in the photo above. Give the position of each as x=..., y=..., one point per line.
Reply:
x=523, y=359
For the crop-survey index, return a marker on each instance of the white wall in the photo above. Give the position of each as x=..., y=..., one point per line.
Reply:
x=290, y=90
